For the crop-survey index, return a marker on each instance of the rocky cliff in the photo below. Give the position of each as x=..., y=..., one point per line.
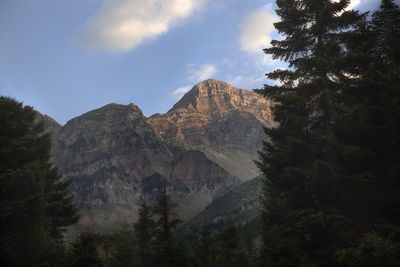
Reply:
x=49, y=124
x=117, y=158
x=220, y=120
x=116, y=161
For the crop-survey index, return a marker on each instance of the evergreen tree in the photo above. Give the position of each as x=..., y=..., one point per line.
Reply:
x=386, y=29
x=305, y=203
x=205, y=254
x=377, y=95
x=253, y=254
x=34, y=206
x=169, y=251
x=84, y=251
x=144, y=234
x=231, y=252
x=125, y=252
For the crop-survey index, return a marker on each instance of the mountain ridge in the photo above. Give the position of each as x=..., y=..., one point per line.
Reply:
x=204, y=146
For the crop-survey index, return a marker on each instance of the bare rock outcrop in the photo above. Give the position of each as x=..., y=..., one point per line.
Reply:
x=224, y=122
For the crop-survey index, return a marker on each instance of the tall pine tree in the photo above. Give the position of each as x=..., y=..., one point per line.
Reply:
x=205, y=252
x=144, y=233
x=34, y=205
x=169, y=252
x=231, y=250
x=304, y=207
x=375, y=138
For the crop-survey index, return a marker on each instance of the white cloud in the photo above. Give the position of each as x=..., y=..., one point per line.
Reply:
x=353, y=4
x=196, y=73
x=256, y=30
x=363, y=5
x=121, y=25
x=178, y=93
x=201, y=73
x=247, y=82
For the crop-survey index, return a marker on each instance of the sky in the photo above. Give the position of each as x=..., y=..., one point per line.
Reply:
x=67, y=57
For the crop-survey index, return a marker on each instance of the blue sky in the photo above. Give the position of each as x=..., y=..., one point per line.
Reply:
x=66, y=57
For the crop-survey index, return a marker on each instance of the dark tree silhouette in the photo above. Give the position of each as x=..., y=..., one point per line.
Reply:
x=34, y=205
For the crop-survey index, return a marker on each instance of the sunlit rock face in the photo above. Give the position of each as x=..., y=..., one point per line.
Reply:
x=116, y=158
x=215, y=97
x=224, y=122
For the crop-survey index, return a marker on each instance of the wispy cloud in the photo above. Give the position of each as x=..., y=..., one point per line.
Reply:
x=178, y=93
x=257, y=28
x=121, y=25
x=247, y=82
x=198, y=73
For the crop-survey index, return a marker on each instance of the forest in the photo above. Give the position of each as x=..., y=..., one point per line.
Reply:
x=331, y=168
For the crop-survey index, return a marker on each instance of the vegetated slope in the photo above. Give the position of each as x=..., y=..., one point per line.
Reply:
x=241, y=205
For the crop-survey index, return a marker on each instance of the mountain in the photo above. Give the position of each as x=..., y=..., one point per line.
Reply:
x=241, y=205
x=116, y=158
x=49, y=124
x=224, y=122
x=116, y=161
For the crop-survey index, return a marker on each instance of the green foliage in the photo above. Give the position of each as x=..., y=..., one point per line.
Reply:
x=148, y=242
x=124, y=251
x=169, y=252
x=373, y=250
x=332, y=166
x=144, y=231
x=386, y=28
x=34, y=205
x=231, y=250
x=205, y=252
x=84, y=251
x=135, y=244
x=241, y=204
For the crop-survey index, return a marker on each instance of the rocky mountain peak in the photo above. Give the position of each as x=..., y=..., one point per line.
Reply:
x=215, y=97
x=117, y=158
x=110, y=112
x=49, y=124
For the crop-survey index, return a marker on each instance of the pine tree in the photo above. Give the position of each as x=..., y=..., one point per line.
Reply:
x=304, y=208
x=34, y=205
x=386, y=26
x=205, y=255
x=252, y=251
x=144, y=234
x=125, y=251
x=386, y=29
x=169, y=252
x=231, y=252
x=378, y=96
x=84, y=251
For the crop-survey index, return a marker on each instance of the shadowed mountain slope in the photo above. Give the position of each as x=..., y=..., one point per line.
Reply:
x=117, y=158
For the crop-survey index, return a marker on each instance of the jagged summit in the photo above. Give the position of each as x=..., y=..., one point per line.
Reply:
x=224, y=122
x=109, y=113
x=210, y=91
x=215, y=97
x=117, y=158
